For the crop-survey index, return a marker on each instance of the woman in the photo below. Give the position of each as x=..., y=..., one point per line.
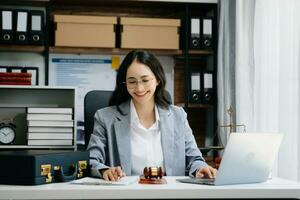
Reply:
x=141, y=128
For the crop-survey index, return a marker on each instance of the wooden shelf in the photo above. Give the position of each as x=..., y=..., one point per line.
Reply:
x=118, y=51
x=113, y=51
x=191, y=105
x=201, y=51
x=21, y=48
x=194, y=54
x=26, y=2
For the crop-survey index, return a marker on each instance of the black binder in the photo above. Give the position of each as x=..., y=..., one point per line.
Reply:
x=207, y=95
x=36, y=29
x=207, y=33
x=7, y=27
x=21, y=27
x=195, y=33
x=195, y=87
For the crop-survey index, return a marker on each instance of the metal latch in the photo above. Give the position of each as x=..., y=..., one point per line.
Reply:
x=82, y=166
x=46, y=171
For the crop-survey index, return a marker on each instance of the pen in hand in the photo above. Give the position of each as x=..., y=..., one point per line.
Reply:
x=113, y=173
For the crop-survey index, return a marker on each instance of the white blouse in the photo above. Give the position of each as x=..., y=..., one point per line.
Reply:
x=146, y=149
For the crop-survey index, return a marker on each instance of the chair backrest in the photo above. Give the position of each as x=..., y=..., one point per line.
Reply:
x=93, y=100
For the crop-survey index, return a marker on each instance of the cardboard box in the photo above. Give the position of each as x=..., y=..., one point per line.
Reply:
x=149, y=33
x=85, y=31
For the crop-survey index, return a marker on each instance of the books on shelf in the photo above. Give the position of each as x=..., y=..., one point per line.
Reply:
x=14, y=83
x=15, y=74
x=50, y=126
x=15, y=78
x=37, y=129
x=49, y=142
x=51, y=123
x=50, y=136
x=48, y=116
x=50, y=110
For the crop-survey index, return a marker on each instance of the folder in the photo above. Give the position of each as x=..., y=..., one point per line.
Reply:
x=195, y=92
x=207, y=96
x=195, y=42
x=207, y=33
x=21, y=32
x=7, y=29
x=36, y=28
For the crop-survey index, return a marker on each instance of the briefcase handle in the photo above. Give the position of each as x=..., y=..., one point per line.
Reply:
x=60, y=176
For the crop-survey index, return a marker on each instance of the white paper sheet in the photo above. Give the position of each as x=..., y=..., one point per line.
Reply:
x=97, y=181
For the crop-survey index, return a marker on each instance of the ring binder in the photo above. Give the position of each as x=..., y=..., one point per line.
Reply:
x=208, y=89
x=195, y=94
x=21, y=31
x=36, y=31
x=207, y=33
x=7, y=28
x=195, y=42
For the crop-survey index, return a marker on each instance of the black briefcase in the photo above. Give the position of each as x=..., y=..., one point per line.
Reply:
x=35, y=167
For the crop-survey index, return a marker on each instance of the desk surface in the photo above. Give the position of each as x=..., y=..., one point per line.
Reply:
x=274, y=188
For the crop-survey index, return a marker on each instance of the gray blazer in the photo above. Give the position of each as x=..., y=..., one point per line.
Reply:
x=110, y=142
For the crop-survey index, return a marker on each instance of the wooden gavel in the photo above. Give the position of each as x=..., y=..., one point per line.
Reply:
x=153, y=172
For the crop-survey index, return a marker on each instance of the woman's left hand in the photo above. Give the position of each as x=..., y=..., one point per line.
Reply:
x=206, y=172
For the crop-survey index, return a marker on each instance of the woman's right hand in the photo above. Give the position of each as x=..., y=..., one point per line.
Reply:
x=113, y=173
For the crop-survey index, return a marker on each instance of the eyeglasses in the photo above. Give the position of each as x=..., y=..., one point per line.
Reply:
x=132, y=82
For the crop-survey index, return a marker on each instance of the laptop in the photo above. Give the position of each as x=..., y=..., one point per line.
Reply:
x=248, y=158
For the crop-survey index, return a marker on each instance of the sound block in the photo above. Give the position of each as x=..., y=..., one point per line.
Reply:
x=144, y=180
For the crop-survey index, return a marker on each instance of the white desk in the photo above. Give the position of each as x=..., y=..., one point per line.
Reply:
x=275, y=188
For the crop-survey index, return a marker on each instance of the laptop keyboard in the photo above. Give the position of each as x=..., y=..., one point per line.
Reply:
x=205, y=181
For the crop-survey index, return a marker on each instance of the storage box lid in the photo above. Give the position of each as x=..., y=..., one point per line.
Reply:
x=85, y=19
x=149, y=21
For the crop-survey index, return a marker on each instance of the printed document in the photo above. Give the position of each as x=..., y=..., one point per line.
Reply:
x=97, y=181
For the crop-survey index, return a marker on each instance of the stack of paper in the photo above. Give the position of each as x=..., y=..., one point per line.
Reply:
x=97, y=181
x=50, y=126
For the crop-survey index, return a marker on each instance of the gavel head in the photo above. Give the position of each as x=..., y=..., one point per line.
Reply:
x=153, y=172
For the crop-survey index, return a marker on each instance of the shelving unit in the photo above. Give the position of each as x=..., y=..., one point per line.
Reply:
x=202, y=117
x=113, y=51
x=22, y=48
x=16, y=99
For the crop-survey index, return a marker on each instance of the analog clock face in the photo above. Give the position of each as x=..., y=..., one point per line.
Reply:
x=7, y=135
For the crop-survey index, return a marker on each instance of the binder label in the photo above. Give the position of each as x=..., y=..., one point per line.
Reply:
x=208, y=80
x=22, y=22
x=7, y=20
x=195, y=26
x=36, y=23
x=195, y=81
x=207, y=27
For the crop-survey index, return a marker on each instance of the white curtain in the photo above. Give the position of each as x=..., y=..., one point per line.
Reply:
x=266, y=69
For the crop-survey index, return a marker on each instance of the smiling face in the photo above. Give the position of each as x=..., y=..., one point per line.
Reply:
x=141, y=83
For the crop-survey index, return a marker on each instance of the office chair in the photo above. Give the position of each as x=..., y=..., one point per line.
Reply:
x=93, y=101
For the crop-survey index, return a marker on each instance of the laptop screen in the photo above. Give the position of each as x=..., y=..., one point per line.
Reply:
x=248, y=158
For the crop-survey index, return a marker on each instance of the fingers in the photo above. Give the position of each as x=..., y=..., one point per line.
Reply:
x=120, y=172
x=206, y=172
x=214, y=172
x=105, y=176
x=113, y=174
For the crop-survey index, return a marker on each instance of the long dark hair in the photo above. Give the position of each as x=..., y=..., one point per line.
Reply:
x=121, y=94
